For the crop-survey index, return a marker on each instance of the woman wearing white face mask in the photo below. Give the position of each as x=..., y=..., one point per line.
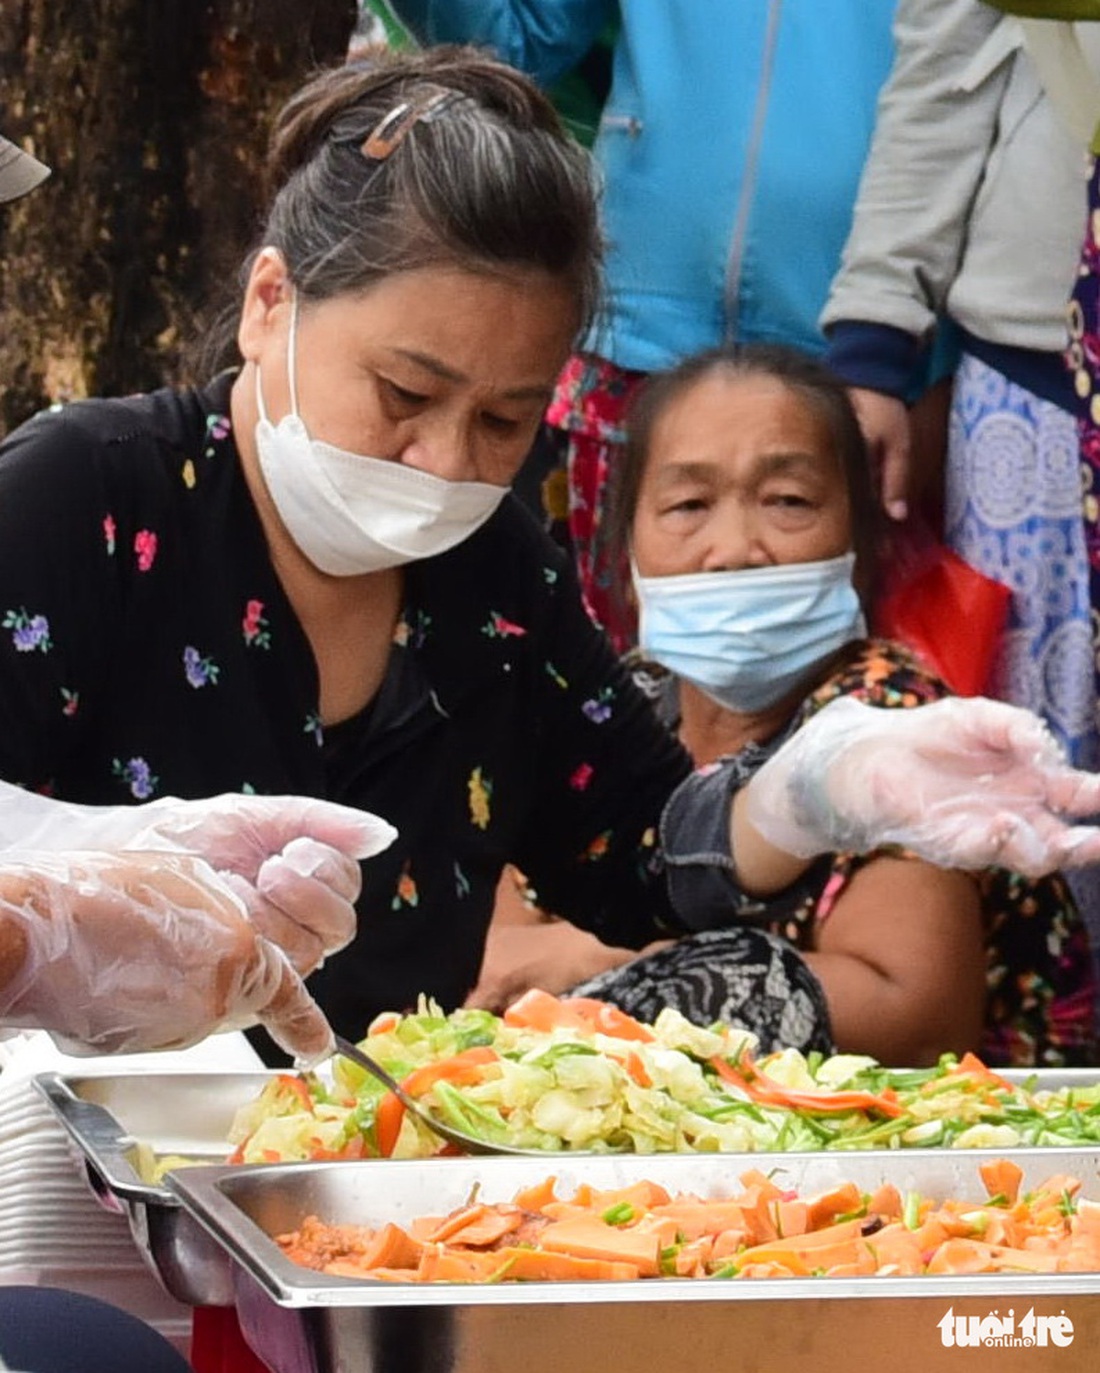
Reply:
x=306, y=577
x=749, y=515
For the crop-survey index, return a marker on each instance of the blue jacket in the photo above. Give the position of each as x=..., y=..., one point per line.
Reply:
x=730, y=147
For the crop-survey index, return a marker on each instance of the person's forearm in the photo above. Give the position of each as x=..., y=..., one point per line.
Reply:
x=762, y=868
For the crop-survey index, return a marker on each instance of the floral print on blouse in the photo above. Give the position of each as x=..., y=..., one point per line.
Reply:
x=147, y=649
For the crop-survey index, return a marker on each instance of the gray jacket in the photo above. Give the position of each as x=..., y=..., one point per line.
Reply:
x=972, y=199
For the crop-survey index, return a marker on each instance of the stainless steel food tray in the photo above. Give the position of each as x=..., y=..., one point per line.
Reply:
x=300, y=1321
x=107, y=1118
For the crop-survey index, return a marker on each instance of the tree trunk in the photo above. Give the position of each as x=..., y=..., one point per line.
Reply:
x=153, y=115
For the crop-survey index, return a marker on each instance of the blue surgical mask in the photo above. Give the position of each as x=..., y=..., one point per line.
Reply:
x=748, y=638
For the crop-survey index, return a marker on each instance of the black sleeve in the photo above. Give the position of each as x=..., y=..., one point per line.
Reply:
x=59, y=594
x=605, y=767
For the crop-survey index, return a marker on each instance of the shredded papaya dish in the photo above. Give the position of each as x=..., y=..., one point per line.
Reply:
x=641, y=1231
x=564, y=1074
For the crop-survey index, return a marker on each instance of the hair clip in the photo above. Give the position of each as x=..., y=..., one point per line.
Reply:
x=391, y=129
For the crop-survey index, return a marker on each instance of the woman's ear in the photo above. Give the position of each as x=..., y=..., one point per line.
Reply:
x=268, y=290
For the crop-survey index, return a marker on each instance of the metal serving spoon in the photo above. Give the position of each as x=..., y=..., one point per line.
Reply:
x=469, y=1144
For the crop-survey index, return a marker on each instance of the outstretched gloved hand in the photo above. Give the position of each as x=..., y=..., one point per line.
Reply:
x=127, y=952
x=964, y=783
x=290, y=859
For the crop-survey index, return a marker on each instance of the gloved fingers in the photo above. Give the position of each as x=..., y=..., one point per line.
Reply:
x=302, y=945
x=1073, y=793
x=1078, y=846
x=237, y=833
x=309, y=859
x=291, y=1016
x=278, y=820
x=994, y=727
x=313, y=888
x=302, y=901
x=1033, y=846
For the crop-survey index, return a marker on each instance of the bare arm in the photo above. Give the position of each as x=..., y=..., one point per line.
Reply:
x=901, y=958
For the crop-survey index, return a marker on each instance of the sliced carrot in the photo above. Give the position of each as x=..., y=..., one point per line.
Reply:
x=896, y=1247
x=753, y=1177
x=440, y=1264
x=791, y=1217
x=296, y=1087
x=802, y=1260
x=566, y=1210
x=533, y=1265
x=606, y=1019
x=635, y=1068
x=703, y=1218
x=354, y=1148
x=1086, y=1220
x=456, y=1221
x=538, y=1010
x=728, y=1243
x=388, y=1115
x=691, y=1260
x=422, y=1226
x=840, y=1201
x=768, y=1092
x=789, y=1268
x=885, y=1201
x=847, y=1231
x=489, y=1228
x=461, y=1069
x=392, y=1247
x=1002, y=1177
x=957, y=1255
x=972, y=1066
x=1055, y=1188
x=643, y=1196
x=591, y=1239
x=536, y=1197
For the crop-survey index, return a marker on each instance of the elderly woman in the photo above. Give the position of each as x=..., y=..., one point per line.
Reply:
x=747, y=507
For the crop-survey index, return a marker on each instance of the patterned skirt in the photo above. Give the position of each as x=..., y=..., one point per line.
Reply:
x=745, y=977
x=1014, y=512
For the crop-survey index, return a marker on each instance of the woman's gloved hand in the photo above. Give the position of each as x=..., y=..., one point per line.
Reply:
x=136, y=951
x=964, y=783
x=290, y=859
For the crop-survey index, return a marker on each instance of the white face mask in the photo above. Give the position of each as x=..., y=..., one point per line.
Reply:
x=747, y=638
x=351, y=514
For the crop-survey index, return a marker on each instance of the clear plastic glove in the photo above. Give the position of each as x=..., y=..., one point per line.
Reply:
x=290, y=859
x=116, y=953
x=963, y=783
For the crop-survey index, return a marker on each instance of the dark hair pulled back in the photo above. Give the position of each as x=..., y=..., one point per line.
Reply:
x=495, y=182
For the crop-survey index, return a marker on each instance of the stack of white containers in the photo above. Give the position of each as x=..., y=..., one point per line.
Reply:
x=53, y=1232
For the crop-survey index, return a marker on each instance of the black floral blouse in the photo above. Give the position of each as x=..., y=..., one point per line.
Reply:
x=147, y=649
